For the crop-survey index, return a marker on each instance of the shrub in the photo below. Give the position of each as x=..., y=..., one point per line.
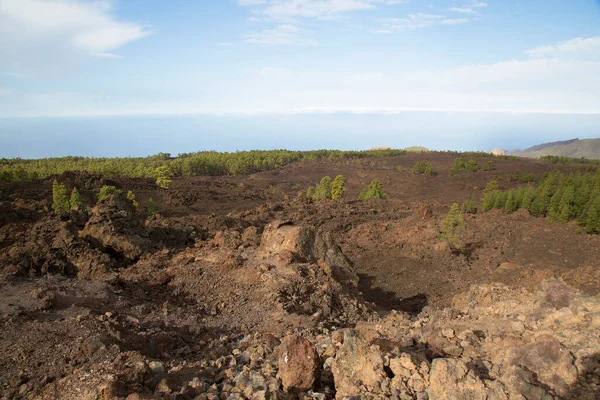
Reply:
x=75, y=201
x=60, y=197
x=422, y=168
x=338, y=187
x=131, y=197
x=373, y=191
x=488, y=166
x=106, y=191
x=310, y=192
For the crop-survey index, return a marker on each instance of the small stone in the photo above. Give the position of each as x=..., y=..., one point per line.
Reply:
x=448, y=333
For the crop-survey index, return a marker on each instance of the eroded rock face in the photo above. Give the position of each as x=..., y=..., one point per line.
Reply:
x=115, y=226
x=306, y=244
x=298, y=364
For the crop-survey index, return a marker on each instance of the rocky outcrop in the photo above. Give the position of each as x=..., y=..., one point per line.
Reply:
x=306, y=244
x=115, y=226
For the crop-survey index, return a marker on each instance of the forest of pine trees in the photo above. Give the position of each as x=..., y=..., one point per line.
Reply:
x=558, y=197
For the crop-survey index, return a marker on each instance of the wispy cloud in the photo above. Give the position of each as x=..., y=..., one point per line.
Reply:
x=471, y=7
x=285, y=10
x=281, y=34
x=574, y=49
x=32, y=32
x=416, y=21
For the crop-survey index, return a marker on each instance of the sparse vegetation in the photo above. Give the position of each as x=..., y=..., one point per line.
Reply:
x=373, y=191
x=470, y=207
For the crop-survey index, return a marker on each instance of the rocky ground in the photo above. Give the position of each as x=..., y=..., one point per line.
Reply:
x=273, y=296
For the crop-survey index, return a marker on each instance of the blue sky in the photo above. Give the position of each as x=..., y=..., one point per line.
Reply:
x=311, y=58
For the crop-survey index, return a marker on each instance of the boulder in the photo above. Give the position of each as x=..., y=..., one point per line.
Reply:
x=298, y=364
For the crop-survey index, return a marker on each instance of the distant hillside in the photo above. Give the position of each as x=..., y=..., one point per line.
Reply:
x=588, y=148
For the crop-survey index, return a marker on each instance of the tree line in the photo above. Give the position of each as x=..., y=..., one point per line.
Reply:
x=206, y=163
x=558, y=197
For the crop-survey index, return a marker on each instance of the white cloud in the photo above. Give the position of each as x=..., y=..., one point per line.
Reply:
x=291, y=9
x=35, y=33
x=281, y=34
x=416, y=21
x=469, y=7
x=574, y=49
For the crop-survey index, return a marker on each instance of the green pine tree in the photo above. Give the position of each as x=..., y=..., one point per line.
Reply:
x=538, y=206
x=106, y=191
x=511, y=204
x=60, y=197
x=528, y=197
x=373, y=191
x=592, y=224
x=163, y=175
x=310, y=192
x=488, y=197
x=566, y=209
x=338, y=187
x=452, y=224
x=151, y=207
x=323, y=189
x=75, y=201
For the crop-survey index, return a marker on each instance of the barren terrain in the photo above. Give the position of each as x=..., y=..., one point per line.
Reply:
x=243, y=288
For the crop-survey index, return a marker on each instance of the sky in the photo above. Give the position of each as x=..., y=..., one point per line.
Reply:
x=238, y=74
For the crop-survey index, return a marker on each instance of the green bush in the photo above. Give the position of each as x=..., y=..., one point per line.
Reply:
x=106, y=191
x=464, y=164
x=131, y=197
x=373, y=191
x=422, y=168
x=470, y=207
x=451, y=225
x=163, y=175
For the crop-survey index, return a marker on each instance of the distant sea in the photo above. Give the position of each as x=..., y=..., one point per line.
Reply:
x=124, y=136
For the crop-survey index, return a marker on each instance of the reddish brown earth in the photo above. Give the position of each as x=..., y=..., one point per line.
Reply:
x=91, y=299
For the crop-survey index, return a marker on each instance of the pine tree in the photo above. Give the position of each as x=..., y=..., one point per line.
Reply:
x=538, y=206
x=511, y=203
x=60, y=197
x=163, y=176
x=528, y=197
x=500, y=199
x=310, y=192
x=566, y=208
x=487, y=200
x=338, y=187
x=554, y=205
x=75, y=201
x=323, y=189
x=151, y=207
x=452, y=224
x=592, y=223
x=373, y=191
